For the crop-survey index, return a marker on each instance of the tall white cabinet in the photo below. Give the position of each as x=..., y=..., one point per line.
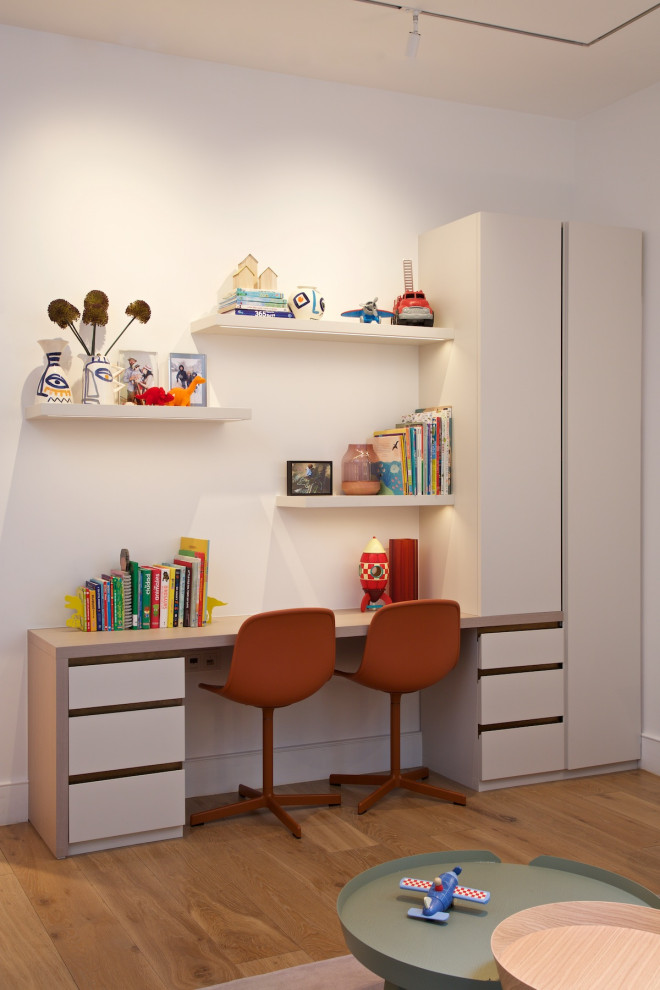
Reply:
x=545, y=526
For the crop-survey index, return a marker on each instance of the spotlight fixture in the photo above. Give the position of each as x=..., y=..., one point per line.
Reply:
x=413, y=37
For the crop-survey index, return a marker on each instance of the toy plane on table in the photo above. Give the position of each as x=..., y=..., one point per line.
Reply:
x=440, y=895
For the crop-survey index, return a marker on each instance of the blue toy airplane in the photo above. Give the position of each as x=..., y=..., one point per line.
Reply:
x=370, y=312
x=440, y=895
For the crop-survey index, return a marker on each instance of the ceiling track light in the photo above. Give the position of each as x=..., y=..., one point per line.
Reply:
x=413, y=37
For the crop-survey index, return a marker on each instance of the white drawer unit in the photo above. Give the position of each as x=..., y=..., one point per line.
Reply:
x=118, y=740
x=521, y=648
x=126, y=748
x=125, y=806
x=534, y=694
x=521, y=682
x=126, y=682
x=528, y=749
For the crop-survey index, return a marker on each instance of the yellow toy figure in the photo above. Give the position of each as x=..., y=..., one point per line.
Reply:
x=182, y=396
x=74, y=602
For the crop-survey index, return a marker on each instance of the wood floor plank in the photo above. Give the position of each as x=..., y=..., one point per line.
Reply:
x=88, y=936
x=28, y=957
x=151, y=911
x=243, y=897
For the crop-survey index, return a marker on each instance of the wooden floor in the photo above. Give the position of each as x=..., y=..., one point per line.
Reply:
x=243, y=897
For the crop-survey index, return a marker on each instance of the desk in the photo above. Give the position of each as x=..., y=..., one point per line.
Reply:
x=420, y=955
x=52, y=656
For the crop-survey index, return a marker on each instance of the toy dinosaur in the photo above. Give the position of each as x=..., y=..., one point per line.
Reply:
x=154, y=396
x=182, y=396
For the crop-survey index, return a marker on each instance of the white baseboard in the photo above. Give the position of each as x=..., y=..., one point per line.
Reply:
x=13, y=803
x=650, y=754
x=222, y=774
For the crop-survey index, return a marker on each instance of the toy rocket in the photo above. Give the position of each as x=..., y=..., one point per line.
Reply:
x=374, y=572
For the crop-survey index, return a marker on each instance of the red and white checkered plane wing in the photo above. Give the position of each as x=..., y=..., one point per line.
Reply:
x=471, y=894
x=418, y=886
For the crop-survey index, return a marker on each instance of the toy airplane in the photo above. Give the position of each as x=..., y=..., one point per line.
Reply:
x=441, y=894
x=370, y=312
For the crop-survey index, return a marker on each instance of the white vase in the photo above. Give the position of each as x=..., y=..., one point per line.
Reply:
x=98, y=382
x=53, y=385
x=306, y=303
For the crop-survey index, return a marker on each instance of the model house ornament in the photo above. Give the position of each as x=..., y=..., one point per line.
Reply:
x=246, y=277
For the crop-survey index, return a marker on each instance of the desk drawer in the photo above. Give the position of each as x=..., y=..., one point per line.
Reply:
x=521, y=648
x=525, y=750
x=125, y=683
x=118, y=740
x=520, y=697
x=126, y=805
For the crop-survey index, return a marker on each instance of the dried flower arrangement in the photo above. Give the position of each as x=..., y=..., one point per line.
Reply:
x=95, y=314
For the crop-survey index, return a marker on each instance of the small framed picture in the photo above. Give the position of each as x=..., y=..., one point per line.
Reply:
x=139, y=372
x=184, y=368
x=309, y=477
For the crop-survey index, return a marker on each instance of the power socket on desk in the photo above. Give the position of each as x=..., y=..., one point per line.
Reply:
x=203, y=660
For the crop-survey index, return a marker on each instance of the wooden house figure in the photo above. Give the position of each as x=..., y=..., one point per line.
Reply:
x=268, y=279
x=245, y=276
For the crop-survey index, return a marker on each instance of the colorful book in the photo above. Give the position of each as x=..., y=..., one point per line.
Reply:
x=134, y=571
x=192, y=597
x=201, y=548
x=145, y=593
x=154, y=620
x=97, y=584
x=389, y=450
x=242, y=311
x=164, y=596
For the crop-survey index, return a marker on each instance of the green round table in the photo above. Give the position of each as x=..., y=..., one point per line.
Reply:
x=421, y=955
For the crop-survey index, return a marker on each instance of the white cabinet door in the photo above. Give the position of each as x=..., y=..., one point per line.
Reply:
x=119, y=740
x=126, y=682
x=126, y=805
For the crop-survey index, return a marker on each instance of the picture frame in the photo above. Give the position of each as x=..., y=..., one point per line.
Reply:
x=309, y=477
x=139, y=371
x=188, y=366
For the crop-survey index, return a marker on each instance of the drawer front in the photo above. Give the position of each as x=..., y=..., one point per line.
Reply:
x=529, y=749
x=120, y=740
x=521, y=648
x=518, y=697
x=125, y=683
x=124, y=805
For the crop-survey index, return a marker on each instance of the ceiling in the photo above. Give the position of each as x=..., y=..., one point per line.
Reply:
x=363, y=42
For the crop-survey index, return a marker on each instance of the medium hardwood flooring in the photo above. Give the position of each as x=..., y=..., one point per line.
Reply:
x=243, y=897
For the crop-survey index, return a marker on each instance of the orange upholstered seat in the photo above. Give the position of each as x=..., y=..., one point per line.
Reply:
x=409, y=646
x=279, y=658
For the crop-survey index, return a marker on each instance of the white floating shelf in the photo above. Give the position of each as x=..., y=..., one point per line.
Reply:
x=165, y=414
x=273, y=326
x=360, y=501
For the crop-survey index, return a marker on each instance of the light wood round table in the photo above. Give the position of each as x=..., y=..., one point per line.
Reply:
x=579, y=945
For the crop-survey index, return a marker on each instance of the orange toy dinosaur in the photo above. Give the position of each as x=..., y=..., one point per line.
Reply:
x=181, y=396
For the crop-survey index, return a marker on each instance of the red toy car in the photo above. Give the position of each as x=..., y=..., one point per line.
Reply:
x=412, y=308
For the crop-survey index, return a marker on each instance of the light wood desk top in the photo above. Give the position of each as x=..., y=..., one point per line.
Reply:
x=63, y=641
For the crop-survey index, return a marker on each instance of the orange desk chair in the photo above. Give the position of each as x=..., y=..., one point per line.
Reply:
x=278, y=658
x=409, y=646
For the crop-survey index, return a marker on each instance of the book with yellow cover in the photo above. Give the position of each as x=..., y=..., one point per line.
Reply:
x=189, y=544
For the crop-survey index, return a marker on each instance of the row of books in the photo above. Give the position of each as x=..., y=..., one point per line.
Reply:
x=150, y=596
x=255, y=302
x=415, y=455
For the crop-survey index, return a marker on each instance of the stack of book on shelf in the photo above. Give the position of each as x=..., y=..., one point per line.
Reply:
x=150, y=596
x=415, y=455
x=255, y=302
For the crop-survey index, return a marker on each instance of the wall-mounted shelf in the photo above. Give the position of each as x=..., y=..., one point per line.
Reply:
x=360, y=501
x=273, y=326
x=165, y=414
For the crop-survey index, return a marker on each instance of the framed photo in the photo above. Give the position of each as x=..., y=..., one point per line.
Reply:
x=139, y=372
x=309, y=477
x=184, y=368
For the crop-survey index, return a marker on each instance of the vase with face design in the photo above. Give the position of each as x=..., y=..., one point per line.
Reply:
x=98, y=381
x=53, y=385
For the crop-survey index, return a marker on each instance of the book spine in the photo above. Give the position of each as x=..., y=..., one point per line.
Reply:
x=177, y=593
x=154, y=618
x=135, y=594
x=145, y=585
x=164, y=596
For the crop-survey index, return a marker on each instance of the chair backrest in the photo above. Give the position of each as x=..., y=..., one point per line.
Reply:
x=410, y=645
x=282, y=657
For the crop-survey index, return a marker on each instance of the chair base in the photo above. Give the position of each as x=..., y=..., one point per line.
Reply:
x=408, y=779
x=269, y=800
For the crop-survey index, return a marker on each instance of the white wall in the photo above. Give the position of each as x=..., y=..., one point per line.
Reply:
x=618, y=156
x=149, y=177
